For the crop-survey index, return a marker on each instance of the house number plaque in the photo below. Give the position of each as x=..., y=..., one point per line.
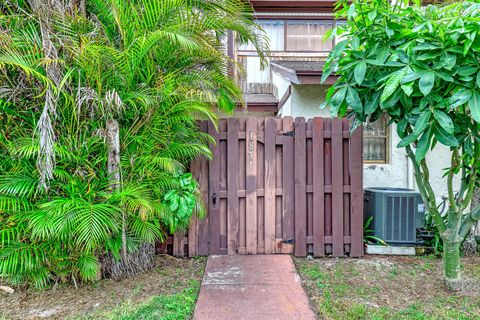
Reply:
x=250, y=145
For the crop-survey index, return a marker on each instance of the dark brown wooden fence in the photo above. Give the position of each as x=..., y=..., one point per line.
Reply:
x=277, y=185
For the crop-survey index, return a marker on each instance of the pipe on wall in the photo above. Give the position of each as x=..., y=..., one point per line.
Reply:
x=410, y=174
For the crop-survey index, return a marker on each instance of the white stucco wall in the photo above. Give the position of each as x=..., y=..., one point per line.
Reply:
x=395, y=173
x=280, y=85
x=305, y=102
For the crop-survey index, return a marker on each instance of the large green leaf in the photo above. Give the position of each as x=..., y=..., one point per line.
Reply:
x=444, y=120
x=474, y=105
x=408, y=88
x=449, y=60
x=372, y=103
x=467, y=71
x=427, y=80
x=460, y=97
x=423, y=145
x=359, y=72
x=444, y=137
x=392, y=84
x=422, y=122
x=353, y=100
x=402, y=128
x=410, y=76
x=408, y=140
x=337, y=99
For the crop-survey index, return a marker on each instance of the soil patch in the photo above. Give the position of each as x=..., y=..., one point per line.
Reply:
x=170, y=276
x=388, y=288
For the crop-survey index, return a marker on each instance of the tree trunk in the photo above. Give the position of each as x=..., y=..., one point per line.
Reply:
x=131, y=263
x=135, y=263
x=113, y=168
x=113, y=162
x=470, y=246
x=451, y=264
x=476, y=204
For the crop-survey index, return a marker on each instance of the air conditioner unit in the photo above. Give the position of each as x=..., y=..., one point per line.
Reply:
x=397, y=214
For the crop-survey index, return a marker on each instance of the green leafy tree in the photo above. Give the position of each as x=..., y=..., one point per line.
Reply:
x=419, y=65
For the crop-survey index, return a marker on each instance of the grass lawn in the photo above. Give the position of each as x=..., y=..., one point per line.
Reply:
x=168, y=292
x=387, y=288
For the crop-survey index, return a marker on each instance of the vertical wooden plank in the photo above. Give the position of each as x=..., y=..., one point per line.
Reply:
x=288, y=186
x=300, y=188
x=318, y=189
x=179, y=244
x=232, y=186
x=269, y=198
x=260, y=177
x=309, y=160
x=222, y=185
x=278, y=185
x=356, y=197
x=214, y=193
x=251, y=186
x=193, y=225
x=203, y=179
x=242, y=149
x=327, y=150
x=337, y=188
x=193, y=236
x=346, y=182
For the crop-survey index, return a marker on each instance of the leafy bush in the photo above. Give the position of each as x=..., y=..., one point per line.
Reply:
x=154, y=67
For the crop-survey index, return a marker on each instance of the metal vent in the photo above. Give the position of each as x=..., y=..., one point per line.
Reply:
x=397, y=213
x=400, y=221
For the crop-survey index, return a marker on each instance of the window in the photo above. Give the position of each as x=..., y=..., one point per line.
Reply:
x=295, y=35
x=275, y=31
x=308, y=35
x=375, y=141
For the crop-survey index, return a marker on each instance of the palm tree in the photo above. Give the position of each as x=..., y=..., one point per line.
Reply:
x=153, y=67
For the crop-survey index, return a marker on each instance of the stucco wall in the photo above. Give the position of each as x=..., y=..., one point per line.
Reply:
x=305, y=101
x=281, y=85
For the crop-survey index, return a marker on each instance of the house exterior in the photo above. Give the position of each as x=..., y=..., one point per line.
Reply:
x=290, y=86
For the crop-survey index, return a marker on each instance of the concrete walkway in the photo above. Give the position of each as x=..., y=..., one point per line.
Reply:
x=260, y=287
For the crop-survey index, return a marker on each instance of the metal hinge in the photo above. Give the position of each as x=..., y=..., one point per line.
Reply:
x=287, y=134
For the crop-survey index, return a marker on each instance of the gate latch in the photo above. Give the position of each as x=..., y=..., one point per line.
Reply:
x=214, y=198
x=287, y=134
x=289, y=241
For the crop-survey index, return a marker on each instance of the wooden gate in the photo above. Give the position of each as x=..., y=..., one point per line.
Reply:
x=277, y=185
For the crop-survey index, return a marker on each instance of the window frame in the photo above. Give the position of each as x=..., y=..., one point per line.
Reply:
x=285, y=34
x=388, y=140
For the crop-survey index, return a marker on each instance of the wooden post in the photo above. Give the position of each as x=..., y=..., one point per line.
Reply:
x=356, y=198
